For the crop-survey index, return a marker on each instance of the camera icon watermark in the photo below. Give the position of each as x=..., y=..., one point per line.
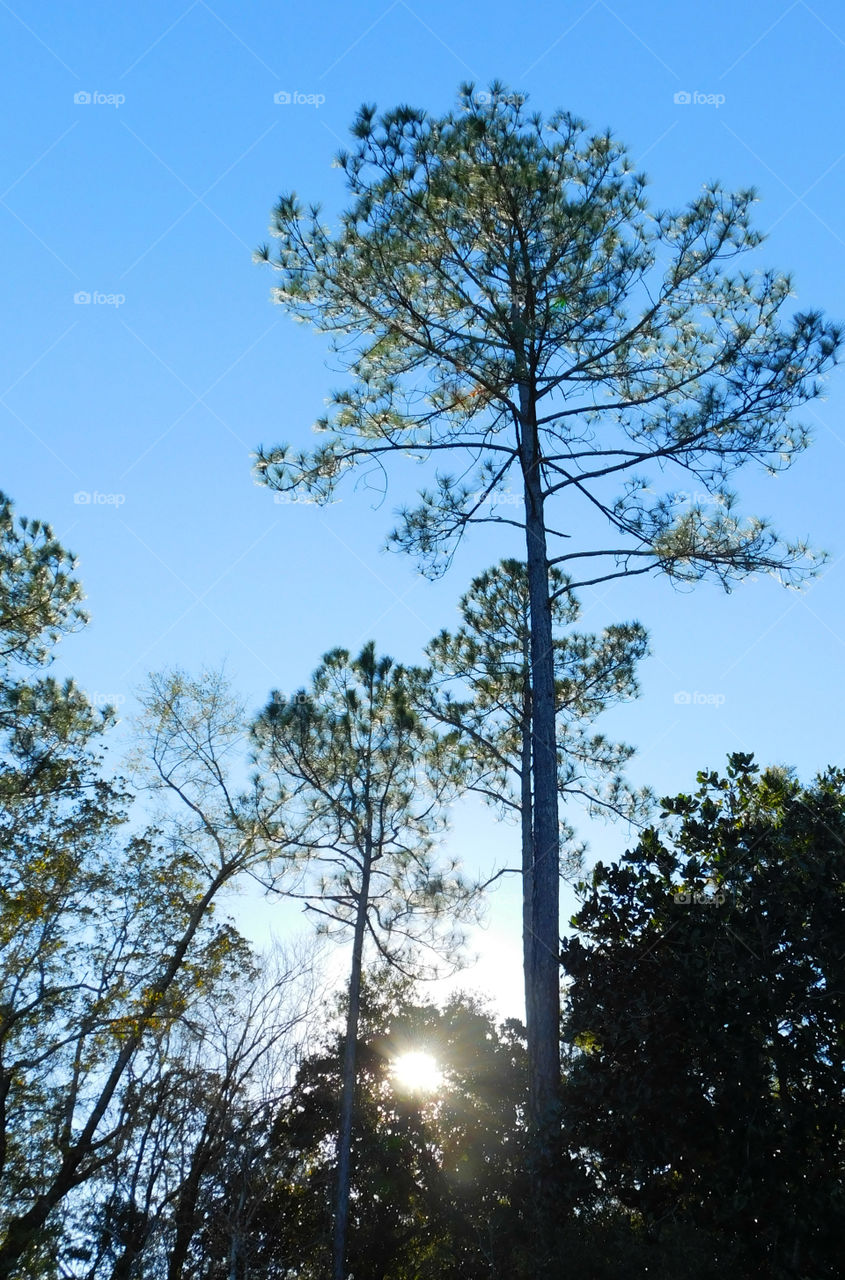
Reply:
x=296, y=99
x=683, y=98
x=683, y=698
x=82, y=98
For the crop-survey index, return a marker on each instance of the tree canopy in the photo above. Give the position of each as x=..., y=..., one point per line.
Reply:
x=705, y=1010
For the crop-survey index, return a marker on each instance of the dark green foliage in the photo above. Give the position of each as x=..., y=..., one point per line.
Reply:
x=146, y=1126
x=707, y=1017
x=433, y=1175
x=478, y=688
x=443, y=284
x=40, y=599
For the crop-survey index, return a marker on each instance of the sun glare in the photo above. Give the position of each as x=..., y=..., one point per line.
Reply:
x=417, y=1073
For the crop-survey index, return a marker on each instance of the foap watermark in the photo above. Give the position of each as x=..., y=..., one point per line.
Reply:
x=484, y=99
x=503, y=497
x=101, y=700
x=96, y=99
x=279, y=700
x=84, y=498
x=683, y=698
x=296, y=99
x=697, y=498
x=558, y=303
x=683, y=98
x=712, y=896
x=82, y=298
x=285, y=499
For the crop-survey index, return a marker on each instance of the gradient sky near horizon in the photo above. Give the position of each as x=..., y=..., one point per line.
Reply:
x=143, y=151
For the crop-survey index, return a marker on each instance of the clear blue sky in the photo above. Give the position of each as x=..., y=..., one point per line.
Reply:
x=156, y=190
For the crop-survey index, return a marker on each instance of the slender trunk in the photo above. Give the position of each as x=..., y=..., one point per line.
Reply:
x=235, y=1244
x=543, y=1012
x=124, y=1267
x=526, y=815
x=347, y=1104
x=185, y=1213
x=5, y=1085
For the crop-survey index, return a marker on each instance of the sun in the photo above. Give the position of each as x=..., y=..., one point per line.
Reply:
x=417, y=1073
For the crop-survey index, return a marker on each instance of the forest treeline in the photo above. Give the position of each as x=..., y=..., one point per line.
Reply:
x=173, y=1100
x=508, y=311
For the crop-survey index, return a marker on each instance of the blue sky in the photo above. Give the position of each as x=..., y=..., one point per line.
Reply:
x=143, y=153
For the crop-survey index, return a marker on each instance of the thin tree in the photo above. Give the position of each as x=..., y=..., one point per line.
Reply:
x=365, y=785
x=477, y=688
x=103, y=943
x=192, y=1108
x=436, y=1172
x=503, y=299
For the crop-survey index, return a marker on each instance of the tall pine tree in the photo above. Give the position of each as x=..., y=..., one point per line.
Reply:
x=505, y=303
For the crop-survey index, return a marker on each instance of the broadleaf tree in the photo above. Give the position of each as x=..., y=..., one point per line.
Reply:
x=58, y=815
x=505, y=302
x=365, y=787
x=177, y=1198
x=706, y=1018
x=107, y=934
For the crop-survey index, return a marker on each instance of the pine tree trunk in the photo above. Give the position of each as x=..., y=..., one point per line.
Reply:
x=347, y=1105
x=526, y=818
x=543, y=1011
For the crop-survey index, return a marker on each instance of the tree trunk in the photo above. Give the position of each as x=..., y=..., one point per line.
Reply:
x=347, y=1105
x=543, y=1012
x=185, y=1213
x=125, y=1266
x=236, y=1242
x=526, y=810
